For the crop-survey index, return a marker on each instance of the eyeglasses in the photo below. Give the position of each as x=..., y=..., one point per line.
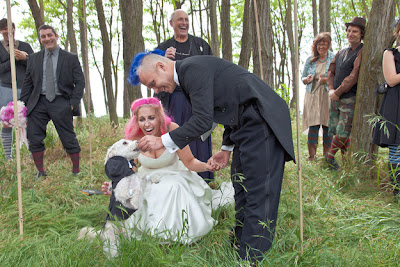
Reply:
x=323, y=45
x=184, y=54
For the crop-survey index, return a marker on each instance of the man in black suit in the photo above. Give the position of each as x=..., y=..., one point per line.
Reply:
x=52, y=90
x=257, y=130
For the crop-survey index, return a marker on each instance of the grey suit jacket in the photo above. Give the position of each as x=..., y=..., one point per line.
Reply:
x=71, y=81
x=218, y=90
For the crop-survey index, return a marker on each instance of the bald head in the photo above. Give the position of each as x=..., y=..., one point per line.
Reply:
x=150, y=61
x=157, y=72
x=180, y=23
x=183, y=12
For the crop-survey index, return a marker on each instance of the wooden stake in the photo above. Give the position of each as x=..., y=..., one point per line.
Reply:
x=16, y=119
x=88, y=95
x=259, y=40
x=296, y=78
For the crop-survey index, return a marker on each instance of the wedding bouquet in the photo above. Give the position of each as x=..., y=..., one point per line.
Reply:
x=7, y=114
x=7, y=118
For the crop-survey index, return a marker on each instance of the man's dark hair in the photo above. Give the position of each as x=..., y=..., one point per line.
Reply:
x=46, y=27
x=3, y=24
x=362, y=29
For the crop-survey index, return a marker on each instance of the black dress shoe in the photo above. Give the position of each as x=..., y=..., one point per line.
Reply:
x=40, y=175
x=332, y=164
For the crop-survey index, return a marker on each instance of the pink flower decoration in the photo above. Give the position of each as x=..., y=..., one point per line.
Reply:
x=7, y=114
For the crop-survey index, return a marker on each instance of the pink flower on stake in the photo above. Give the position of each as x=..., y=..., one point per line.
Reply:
x=7, y=114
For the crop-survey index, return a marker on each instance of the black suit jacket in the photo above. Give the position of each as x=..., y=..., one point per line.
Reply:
x=71, y=81
x=218, y=90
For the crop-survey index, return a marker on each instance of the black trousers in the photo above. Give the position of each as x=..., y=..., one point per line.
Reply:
x=59, y=111
x=257, y=171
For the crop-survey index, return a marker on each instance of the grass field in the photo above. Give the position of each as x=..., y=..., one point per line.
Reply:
x=350, y=217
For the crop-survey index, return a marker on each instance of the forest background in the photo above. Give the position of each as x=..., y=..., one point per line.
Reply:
x=107, y=34
x=351, y=218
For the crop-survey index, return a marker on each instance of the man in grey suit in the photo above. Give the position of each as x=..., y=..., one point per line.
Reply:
x=257, y=129
x=52, y=90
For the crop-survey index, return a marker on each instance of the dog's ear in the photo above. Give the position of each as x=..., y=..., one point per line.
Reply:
x=110, y=153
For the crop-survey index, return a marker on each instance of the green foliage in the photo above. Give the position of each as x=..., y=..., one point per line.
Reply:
x=284, y=92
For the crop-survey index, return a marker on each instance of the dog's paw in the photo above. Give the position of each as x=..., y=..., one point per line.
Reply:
x=135, y=200
x=87, y=233
x=155, y=179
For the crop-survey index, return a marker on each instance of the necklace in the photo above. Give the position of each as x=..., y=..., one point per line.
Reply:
x=322, y=61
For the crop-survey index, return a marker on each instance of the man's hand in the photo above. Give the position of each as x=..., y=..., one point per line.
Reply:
x=20, y=55
x=170, y=53
x=149, y=142
x=219, y=160
x=333, y=96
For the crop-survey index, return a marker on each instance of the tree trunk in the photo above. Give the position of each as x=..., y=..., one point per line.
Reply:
x=71, y=38
x=156, y=26
x=132, y=24
x=37, y=13
x=214, y=27
x=192, y=14
x=315, y=17
x=84, y=54
x=289, y=23
x=324, y=15
x=264, y=19
x=107, y=58
x=201, y=21
x=247, y=36
x=178, y=4
x=70, y=28
x=378, y=36
x=280, y=41
x=226, y=30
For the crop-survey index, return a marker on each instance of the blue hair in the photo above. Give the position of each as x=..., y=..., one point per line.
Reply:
x=133, y=76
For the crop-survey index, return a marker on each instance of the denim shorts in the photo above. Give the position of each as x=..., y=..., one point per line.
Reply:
x=6, y=95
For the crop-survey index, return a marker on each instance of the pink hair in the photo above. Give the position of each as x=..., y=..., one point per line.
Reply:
x=132, y=130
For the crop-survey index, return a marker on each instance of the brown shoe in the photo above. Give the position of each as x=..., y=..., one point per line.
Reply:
x=312, y=150
x=325, y=149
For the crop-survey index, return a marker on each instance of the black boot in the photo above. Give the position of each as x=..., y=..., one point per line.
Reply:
x=394, y=172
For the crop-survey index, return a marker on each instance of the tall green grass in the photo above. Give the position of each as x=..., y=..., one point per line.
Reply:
x=350, y=217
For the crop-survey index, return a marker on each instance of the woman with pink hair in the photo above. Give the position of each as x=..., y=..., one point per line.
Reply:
x=179, y=207
x=149, y=118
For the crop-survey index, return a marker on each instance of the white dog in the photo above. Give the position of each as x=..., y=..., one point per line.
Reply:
x=128, y=188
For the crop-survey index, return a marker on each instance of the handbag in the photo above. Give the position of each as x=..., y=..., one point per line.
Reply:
x=382, y=88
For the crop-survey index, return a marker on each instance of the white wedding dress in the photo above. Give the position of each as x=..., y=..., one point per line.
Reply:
x=179, y=207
